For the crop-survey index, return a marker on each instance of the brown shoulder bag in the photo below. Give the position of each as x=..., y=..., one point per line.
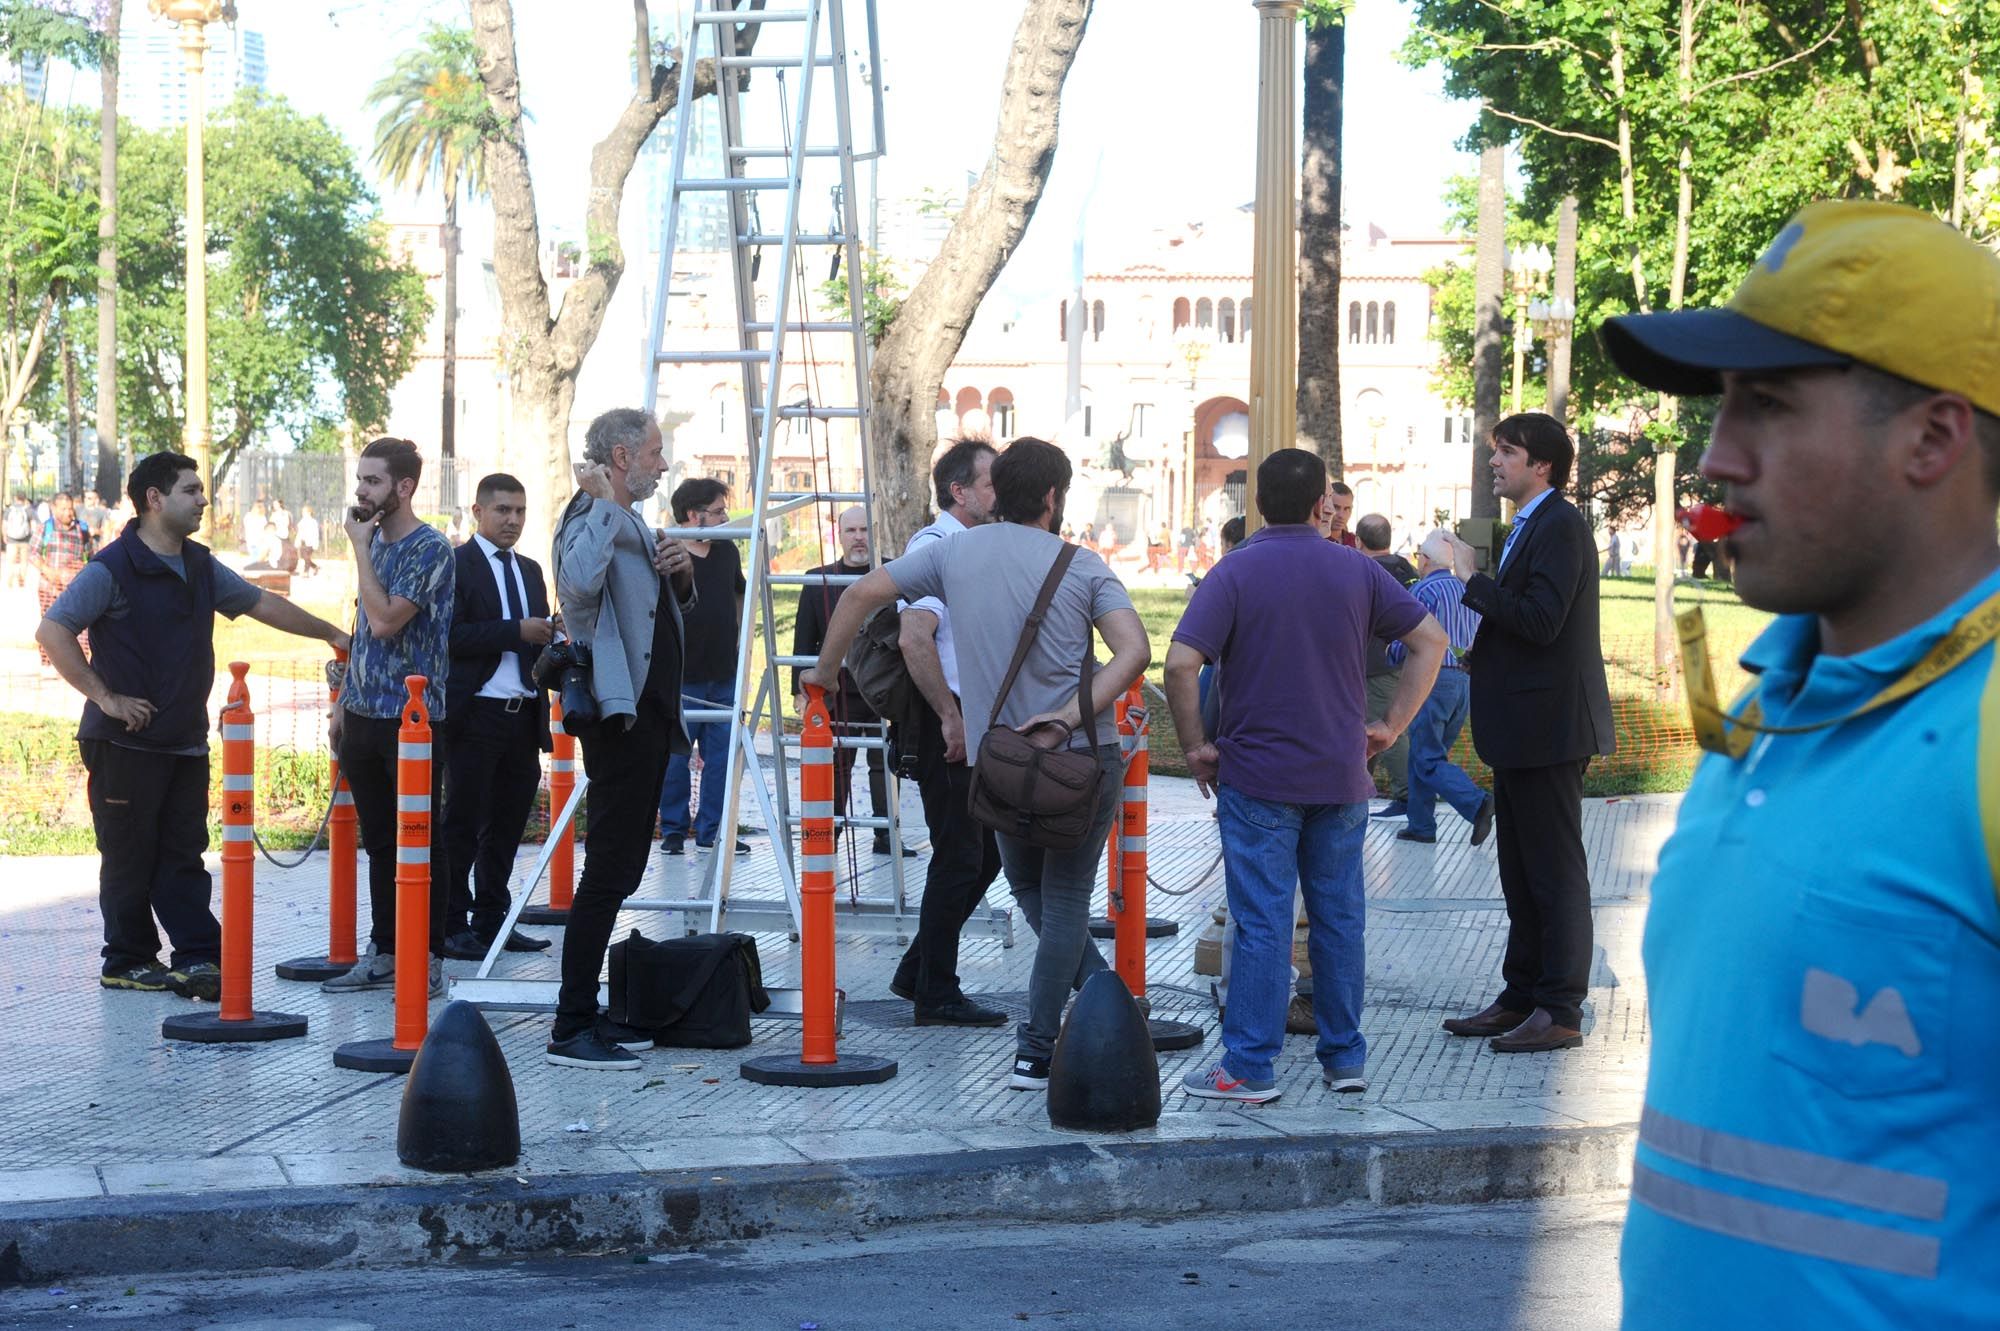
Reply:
x=1046, y=797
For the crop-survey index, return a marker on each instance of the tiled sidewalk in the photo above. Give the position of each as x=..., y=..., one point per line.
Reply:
x=94, y=1103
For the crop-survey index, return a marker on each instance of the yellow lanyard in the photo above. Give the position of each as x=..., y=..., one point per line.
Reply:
x=1719, y=732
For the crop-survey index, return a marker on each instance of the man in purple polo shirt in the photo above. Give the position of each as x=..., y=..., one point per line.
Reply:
x=1288, y=617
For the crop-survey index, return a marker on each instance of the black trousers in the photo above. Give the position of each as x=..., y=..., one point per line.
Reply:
x=150, y=811
x=965, y=859
x=368, y=757
x=493, y=770
x=1546, y=880
x=625, y=768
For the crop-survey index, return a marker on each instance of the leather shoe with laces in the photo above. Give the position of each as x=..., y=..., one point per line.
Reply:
x=520, y=942
x=465, y=946
x=1489, y=1020
x=1538, y=1034
x=960, y=1012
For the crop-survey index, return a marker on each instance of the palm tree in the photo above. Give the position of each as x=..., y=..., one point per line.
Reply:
x=433, y=131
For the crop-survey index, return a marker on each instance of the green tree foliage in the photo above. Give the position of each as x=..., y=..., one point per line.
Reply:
x=44, y=30
x=311, y=319
x=881, y=295
x=435, y=116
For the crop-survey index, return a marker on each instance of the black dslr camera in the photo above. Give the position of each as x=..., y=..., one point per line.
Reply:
x=564, y=667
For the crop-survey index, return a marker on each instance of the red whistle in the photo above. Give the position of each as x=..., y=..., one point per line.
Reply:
x=1710, y=522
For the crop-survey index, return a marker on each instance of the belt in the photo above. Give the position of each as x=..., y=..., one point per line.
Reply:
x=510, y=705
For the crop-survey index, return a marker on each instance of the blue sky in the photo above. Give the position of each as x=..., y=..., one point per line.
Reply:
x=1158, y=113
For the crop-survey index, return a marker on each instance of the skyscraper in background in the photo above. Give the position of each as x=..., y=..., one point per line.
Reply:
x=152, y=70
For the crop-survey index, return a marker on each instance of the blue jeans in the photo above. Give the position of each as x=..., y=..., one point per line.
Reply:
x=1433, y=776
x=713, y=738
x=1053, y=888
x=1268, y=849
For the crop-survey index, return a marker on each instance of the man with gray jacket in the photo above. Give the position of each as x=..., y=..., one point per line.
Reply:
x=623, y=590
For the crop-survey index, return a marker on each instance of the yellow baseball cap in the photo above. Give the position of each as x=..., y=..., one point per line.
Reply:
x=1843, y=282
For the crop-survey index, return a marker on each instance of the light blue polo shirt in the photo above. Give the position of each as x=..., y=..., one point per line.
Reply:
x=1821, y=1140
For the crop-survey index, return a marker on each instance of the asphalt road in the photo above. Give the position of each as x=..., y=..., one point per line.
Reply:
x=1547, y=1266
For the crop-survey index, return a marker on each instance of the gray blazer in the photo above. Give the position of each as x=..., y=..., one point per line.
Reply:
x=610, y=592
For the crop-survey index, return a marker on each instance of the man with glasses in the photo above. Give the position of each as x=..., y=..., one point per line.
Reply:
x=710, y=680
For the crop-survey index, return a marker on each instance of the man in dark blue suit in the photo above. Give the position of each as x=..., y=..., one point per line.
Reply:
x=1540, y=712
x=497, y=720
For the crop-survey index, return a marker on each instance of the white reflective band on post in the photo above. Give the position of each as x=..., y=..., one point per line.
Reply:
x=413, y=804
x=815, y=808
x=413, y=854
x=238, y=832
x=817, y=757
x=1132, y=845
x=230, y=781
x=1135, y=794
x=817, y=863
x=239, y=732
x=1874, y=1246
x=343, y=796
x=563, y=764
x=556, y=728
x=410, y=753
x=1837, y=1180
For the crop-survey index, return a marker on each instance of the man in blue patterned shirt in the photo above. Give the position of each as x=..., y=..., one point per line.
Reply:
x=403, y=627
x=1433, y=775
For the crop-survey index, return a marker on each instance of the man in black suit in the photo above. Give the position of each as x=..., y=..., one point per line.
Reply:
x=851, y=712
x=1540, y=712
x=498, y=721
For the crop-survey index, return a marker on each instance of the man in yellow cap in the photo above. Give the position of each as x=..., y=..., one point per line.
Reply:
x=1823, y=948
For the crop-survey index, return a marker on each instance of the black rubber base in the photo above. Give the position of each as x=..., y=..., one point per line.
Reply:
x=544, y=915
x=1155, y=928
x=210, y=1028
x=788, y=1070
x=373, y=1056
x=311, y=968
x=1171, y=1035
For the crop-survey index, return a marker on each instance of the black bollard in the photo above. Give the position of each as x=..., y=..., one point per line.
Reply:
x=459, y=1112
x=1104, y=1076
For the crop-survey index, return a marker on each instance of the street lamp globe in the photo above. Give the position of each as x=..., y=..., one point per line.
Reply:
x=194, y=11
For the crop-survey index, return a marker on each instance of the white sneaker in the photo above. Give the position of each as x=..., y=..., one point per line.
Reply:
x=1343, y=1081
x=373, y=971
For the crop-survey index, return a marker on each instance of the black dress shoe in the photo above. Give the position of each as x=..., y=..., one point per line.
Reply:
x=465, y=946
x=1421, y=838
x=903, y=989
x=882, y=848
x=960, y=1012
x=1482, y=821
x=1489, y=1020
x=520, y=942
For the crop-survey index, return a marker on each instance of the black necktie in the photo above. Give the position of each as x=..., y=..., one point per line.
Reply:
x=506, y=558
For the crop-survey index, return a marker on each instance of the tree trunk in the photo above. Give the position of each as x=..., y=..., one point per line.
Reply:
x=1488, y=338
x=910, y=364
x=1319, y=245
x=547, y=352
x=448, y=431
x=111, y=466
x=72, y=408
x=1666, y=452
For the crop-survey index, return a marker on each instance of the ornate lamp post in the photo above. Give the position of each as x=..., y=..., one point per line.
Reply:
x=194, y=16
x=1191, y=346
x=1274, y=279
x=1526, y=268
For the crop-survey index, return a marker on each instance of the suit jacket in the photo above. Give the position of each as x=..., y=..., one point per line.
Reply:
x=816, y=605
x=481, y=631
x=1538, y=691
x=610, y=594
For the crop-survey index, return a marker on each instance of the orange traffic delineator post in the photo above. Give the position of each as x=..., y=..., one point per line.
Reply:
x=1128, y=893
x=562, y=860
x=413, y=898
x=341, y=839
x=1130, y=713
x=236, y=1022
x=819, y=1062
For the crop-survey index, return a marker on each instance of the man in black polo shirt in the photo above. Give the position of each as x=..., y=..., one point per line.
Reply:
x=148, y=601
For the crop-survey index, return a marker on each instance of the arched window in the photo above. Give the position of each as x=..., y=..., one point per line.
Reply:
x=968, y=400
x=1225, y=317
x=1353, y=321
x=1065, y=321
x=1374, y=321
x=1243, y=310
x=1180, y=313
x=1204, y=313
x=1097, y=321
x=1389, y=321
x=1000, y=403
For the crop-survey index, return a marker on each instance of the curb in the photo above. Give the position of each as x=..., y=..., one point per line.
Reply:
x=475, y=1219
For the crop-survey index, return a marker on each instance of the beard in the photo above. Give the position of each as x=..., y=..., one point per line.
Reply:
x=1056, y=514
x=642, y=487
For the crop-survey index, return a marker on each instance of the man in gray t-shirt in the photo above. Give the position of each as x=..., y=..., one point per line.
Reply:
x=988, y=577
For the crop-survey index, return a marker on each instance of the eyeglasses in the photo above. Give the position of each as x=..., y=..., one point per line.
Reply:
x=719, y=511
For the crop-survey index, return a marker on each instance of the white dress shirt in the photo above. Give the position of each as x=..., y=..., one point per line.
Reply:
x=944, y=528
x=505, y=681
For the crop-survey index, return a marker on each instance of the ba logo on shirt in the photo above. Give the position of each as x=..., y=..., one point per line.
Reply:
x=1827, y=1008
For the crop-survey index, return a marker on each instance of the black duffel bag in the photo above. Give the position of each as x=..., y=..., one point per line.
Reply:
x=697, y=993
